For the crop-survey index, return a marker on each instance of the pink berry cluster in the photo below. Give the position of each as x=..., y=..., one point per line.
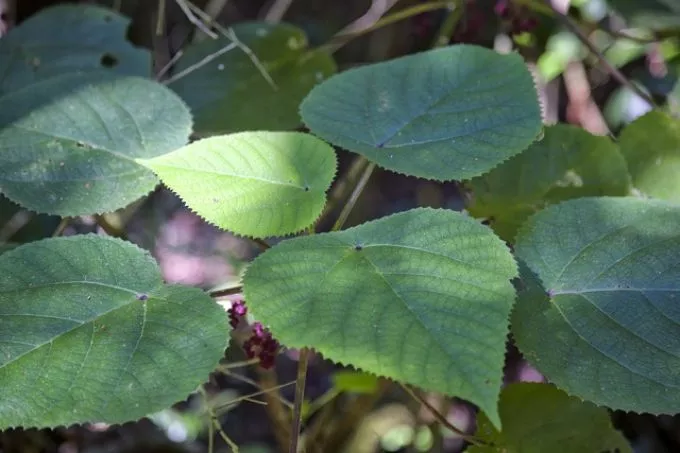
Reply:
x=517, y=17
x=260, y=344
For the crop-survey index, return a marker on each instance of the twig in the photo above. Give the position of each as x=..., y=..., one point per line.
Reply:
x=230, y=35
x=441, y=418
x=61, y=227
x=343, y=38
x=160, y=20
x=618, y=75
x=247, y=380
x=230, y=291
x=277, y=11
x=212, y=9
x=250, y=396
x=194, y=20
x=200, y=64
x=14, y=224
x=448, y=26
x=215, y=422
x=164, y=70
x=299, y=399
x=347, y=209
x=277, y=412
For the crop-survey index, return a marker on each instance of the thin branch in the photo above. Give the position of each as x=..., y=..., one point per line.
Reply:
x=230, y=291
x=61, y=227
x=618, y=75
x=247, y=380
x=351, y=202
x=215, y=422
x=449, y=25
x=343, y=38
x=299, y=399
x=194, y=20
x=441, y=418
x=14, y=224
x=200, y=64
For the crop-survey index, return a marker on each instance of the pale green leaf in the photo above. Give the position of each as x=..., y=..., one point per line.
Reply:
x=568, y=162
x=66, y=39
x=89, y=333
x=450, y=113
x=600, y=318
x=252, y=183
x=651, y=145
x=539, y=418
x=422, y=297
x=68, y=144
x=231, y=94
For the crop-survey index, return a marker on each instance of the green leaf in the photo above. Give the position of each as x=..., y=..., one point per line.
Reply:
x=252, y=183
x=654, y=14
x=651, y=145
x=89, y=332
x=66, y=39
x=567, y=163
x=421, y=296
x=539, y=418
x=68, y=144
x=450, y=113
x=604, y=324
x=354, y=381
x=231, y=94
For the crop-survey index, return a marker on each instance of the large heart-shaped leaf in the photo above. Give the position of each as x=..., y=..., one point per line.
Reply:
x=66, y=39
x=604, y=324
x=567, y=163
x=421, y=297
x=450, y=113
x=231, y=94
x=252, y=183
x=651, y=145
x=89, y=332
x=67, y=144
x=538, y=418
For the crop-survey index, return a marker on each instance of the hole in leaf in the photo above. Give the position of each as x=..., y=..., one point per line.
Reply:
x=358, y=247
x=142, y=297
x=306, y=189
x=108, y=61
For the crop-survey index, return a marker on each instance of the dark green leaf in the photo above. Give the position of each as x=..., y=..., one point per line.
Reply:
x=450, y=113
x=230, y=94
x=600, y=318
x=421, y=297
x=89, y=332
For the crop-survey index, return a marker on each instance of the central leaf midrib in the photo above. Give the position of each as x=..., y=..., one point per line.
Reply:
x=231, y=175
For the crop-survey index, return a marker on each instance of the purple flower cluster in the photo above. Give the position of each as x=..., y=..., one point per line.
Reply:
x=261, y=344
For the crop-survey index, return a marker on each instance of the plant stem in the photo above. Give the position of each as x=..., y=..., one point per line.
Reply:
x=441, y=418
x=61, y=227
x=230, y=291
x=618, y=75
x=299, y=399
x=448, y=26
x=340, y=40
x=342, y=218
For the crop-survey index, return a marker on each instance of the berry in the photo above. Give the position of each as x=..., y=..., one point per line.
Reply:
x=237, y=312
x=262, y=345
